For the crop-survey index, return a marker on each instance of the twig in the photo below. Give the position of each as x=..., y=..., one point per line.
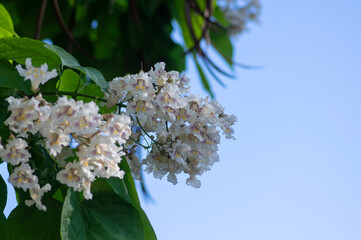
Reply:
x=67, y=32
x=39, y=22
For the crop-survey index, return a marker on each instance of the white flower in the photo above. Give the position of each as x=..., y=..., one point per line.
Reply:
x=75, y=175
x=238, y=16
x=140, y=106
x=23, y=177
x=101, y=148
x=180, y=152
x=117, y=127
x=15, y=152
x=169, y=96
x=24, y=112
x=159, y=75
x=140, y=84
x=37, y=76
x=36, y=194
x=194, y=182
x=64, y=111
x=55, y=140
x=117, y=90
x=87, y=120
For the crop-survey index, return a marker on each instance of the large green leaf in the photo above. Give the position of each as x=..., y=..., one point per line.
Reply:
x=19, y=49
x=95, y=75
x=106, y=216
x=69, y=81
x=128, y=181
x=125, y=188
x=6, y=24
x=29, y=223
x=69, y=61
x=3, y=232
x=3, y=194
x=10, y=78
x=66, y=58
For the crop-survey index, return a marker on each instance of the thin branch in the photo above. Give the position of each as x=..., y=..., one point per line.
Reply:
x=71, y=27
x=67, y=32
x=135, y=15
x=75, y=94
x=39, y=22
x=146, y=133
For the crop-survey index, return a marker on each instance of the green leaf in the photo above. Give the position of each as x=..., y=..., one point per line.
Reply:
x=19, y=49
x=3, y=194
x=6, y=24
x=129, y=182
x=27, y=223
x=125, y=188
x=95, y=75
x=106, y=216
x=221, y=42
x=3, y=232
x=10, y=78
x=69, y=61
x=130, y=190
x=69, y=81
x=203, y=76
x=219, y=16
x=2, y=220
x=91, y=90
x=66, y=58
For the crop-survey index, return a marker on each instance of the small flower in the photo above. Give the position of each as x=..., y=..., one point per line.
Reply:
x=15, y=152
x=23, y=177
x=36, y=76
x=36, y=194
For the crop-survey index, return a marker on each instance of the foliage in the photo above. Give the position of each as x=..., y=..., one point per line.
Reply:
x=110, y=37
x=117, y=37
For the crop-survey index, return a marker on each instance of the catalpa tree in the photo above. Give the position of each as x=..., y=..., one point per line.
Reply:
x=70, y=134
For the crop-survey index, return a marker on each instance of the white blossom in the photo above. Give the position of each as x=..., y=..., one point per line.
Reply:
x=23, y=177
x=36, y=76
x=36, y=193
x=15, y=152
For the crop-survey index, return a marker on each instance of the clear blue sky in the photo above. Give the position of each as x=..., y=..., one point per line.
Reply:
x=294, y=171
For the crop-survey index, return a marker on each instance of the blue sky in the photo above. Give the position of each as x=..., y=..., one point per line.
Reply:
x=294, y=171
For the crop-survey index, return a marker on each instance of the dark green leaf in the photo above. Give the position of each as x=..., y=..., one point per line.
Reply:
x=3, y=232
x=125, y=188
x=19, y=49
x=3, y=194
x=27, y=223
x=106, y=216
x=117, y=185
x=10, y=78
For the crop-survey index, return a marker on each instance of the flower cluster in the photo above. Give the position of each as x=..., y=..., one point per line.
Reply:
x=182, y=128
x=180, y=131
x=239, y=14
x=62, y=126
